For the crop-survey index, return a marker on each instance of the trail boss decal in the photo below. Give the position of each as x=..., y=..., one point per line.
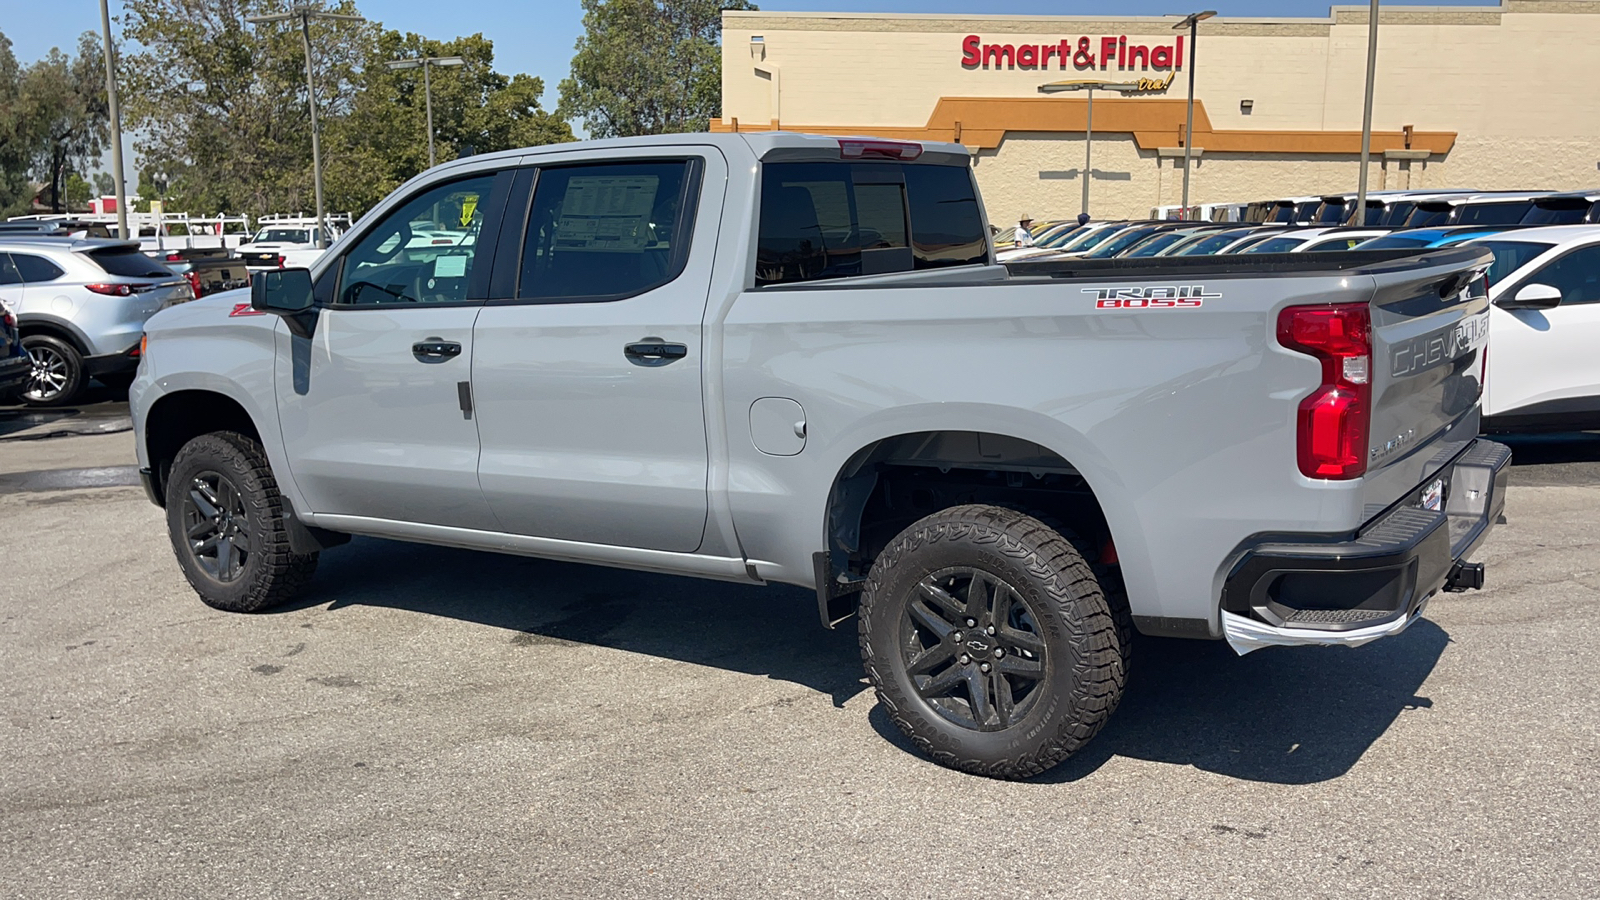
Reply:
x=1189, y=296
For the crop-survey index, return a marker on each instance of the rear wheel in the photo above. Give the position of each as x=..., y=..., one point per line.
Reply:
x=225, y=519
x=990, y=641
x=58, y=375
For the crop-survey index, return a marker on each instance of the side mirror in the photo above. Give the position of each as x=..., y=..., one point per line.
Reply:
x=286, y=293
x=1533, y=296
x=281, y=291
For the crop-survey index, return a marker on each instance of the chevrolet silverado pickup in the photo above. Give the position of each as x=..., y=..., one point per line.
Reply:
x=783, y=358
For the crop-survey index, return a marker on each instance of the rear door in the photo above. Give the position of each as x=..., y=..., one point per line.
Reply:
x=1544, y=361
x=375, y=406
x=589, y=353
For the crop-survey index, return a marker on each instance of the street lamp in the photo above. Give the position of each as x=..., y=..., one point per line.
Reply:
x=1088, y=129
x=1366, y=113
x=427, y=62
x=305, y=14
x=1192, y=22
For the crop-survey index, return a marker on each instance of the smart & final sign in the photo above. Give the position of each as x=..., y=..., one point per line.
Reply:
x=1112, y=50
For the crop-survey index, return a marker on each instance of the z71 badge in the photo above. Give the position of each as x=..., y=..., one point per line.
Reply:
x=1190, y=296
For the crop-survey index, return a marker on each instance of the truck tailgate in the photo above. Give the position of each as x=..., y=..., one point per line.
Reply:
x=1430, y=329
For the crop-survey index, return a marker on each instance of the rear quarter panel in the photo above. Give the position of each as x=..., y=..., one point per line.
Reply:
x=1181, y=420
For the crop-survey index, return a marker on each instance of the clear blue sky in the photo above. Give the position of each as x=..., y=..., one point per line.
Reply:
x=536, y=36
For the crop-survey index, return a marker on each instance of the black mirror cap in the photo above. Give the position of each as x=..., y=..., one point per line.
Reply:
x=1528, y=298
x=282, y=292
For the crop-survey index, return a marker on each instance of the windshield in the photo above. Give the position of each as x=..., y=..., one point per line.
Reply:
x=1061, y=237
x=1274, y=245
x=1209, y=244
x=1509, y=256
x=1155, y=243
x=283, y=236
x=1396, y=242
x=1127, y=238
x=1507, y=212
x=1246, y=244
x=1092, y=239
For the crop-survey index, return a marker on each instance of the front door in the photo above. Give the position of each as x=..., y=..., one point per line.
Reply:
x=375, y=406
x=1544, y=360
x=588, y=361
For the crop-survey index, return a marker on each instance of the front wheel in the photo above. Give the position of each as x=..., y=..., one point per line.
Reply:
x=225, y=519
x=990, y=642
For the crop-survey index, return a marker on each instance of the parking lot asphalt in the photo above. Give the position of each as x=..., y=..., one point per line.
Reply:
x=434, y=723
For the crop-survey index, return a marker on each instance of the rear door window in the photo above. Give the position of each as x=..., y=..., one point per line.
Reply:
x=607, y=232
x=128, y=263
x=1504, y=213
x=838, y=219
x=35, y=269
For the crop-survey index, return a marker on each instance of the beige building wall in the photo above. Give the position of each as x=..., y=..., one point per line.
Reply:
x=1503, y=96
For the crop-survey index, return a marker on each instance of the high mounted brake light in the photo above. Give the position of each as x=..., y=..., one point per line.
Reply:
x=901, y=150
x=1334, y=421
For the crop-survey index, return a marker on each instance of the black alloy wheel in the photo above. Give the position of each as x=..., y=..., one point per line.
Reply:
x=216, y=525
x=991, y=641
x=228, y=527
x=973, y=648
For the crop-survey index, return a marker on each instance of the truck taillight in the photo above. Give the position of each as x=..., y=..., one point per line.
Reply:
x=1334, y=421
x=859, y=149
x=194, y=283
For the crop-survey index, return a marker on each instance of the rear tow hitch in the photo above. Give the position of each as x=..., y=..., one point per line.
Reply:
x=1464, y=576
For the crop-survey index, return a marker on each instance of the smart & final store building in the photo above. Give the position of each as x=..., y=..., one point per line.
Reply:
x=1467, y=97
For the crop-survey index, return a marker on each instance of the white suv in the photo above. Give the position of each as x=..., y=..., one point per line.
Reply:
x=1544, y=328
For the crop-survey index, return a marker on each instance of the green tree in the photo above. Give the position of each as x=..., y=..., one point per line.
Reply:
x=16, y=156
x=220, y=105
x=75, y=192
x=64, y=114
x=104, y=184
x=383, y=140
x=647, y=66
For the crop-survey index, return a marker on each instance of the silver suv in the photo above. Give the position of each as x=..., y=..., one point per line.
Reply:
x=81, y=305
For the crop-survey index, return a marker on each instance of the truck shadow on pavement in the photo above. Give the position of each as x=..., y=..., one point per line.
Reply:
x=1282, y=715
x=770, y=631
x=1286, y=715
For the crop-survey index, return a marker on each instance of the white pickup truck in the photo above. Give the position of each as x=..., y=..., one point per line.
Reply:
x=790, y=358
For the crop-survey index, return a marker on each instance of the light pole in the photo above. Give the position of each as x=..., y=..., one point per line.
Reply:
x=427, y=62
x=1192, y=21
x=1088, y=128
x=116, y=127
x=305, y=14
x=1366, y=113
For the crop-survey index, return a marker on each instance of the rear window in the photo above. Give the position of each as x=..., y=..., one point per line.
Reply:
x=1423, y=216
x=128, y=263
x=838, y=219
x=1557, y=212
x=1510, y=256
x=1504, y=213
x=1330, y=213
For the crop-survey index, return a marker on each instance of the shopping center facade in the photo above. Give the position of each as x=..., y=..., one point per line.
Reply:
x=1475, y=97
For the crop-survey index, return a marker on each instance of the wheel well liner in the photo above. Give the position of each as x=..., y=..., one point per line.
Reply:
x=28, y=327
x=180, y=417
x=893, y=482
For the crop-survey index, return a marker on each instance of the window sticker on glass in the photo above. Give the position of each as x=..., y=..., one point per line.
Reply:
x=607, y=214
x=454, y=266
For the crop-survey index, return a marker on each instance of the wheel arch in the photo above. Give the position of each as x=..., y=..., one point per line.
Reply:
x=178, y=417
x=899, y=476
x=34, y=324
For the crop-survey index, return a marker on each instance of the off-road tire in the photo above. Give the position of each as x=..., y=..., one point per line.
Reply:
x=269, y=574
x=65, y=364
x=1082, y=662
